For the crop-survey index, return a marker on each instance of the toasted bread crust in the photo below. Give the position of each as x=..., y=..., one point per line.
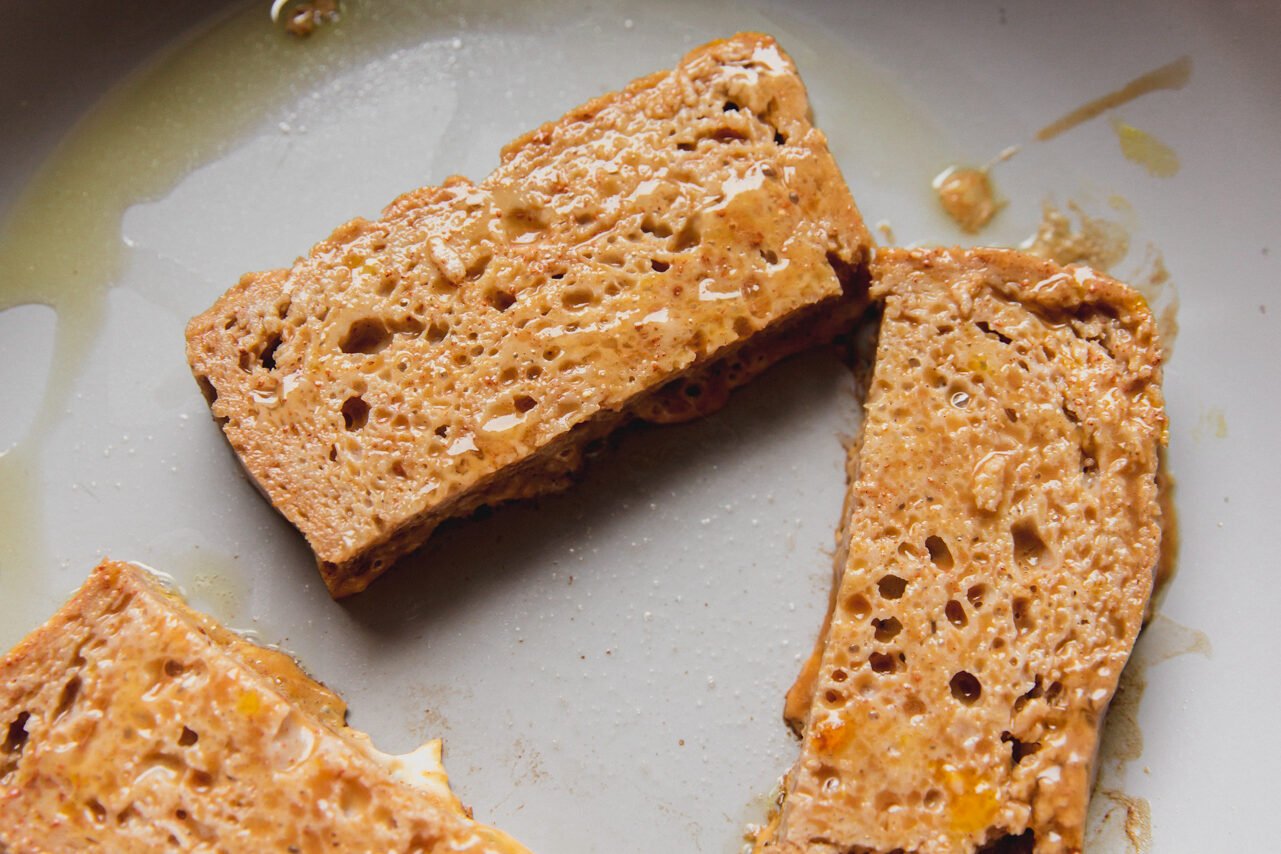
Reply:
x=1003, y=535
x=132, y=723
x=412, y=368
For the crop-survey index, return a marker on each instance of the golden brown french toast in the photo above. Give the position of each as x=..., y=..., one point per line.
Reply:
x=636, y=258
x=1003, y=529
x=132, y=723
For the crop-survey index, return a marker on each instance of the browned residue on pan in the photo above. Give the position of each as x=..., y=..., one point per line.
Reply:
x=1175, y=75
x=1117, y=818
x=1094, y=241
x=967, y=196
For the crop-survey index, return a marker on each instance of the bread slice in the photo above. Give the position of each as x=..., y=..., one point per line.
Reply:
x=132, y=723
x=636, y=258
x=1003, y=530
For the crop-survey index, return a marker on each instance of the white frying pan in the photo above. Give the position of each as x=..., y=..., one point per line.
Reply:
x=607, y=667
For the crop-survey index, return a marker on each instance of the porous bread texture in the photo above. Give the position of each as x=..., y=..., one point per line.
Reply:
x=636, y=258
x=132, y=723
x=1004, y=527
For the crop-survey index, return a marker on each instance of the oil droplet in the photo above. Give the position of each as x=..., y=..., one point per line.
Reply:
x=1175, y=75
x=1211, y=424
x=967, y=196
x=225, y=592
x=1146, y=150
x=961, y=399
